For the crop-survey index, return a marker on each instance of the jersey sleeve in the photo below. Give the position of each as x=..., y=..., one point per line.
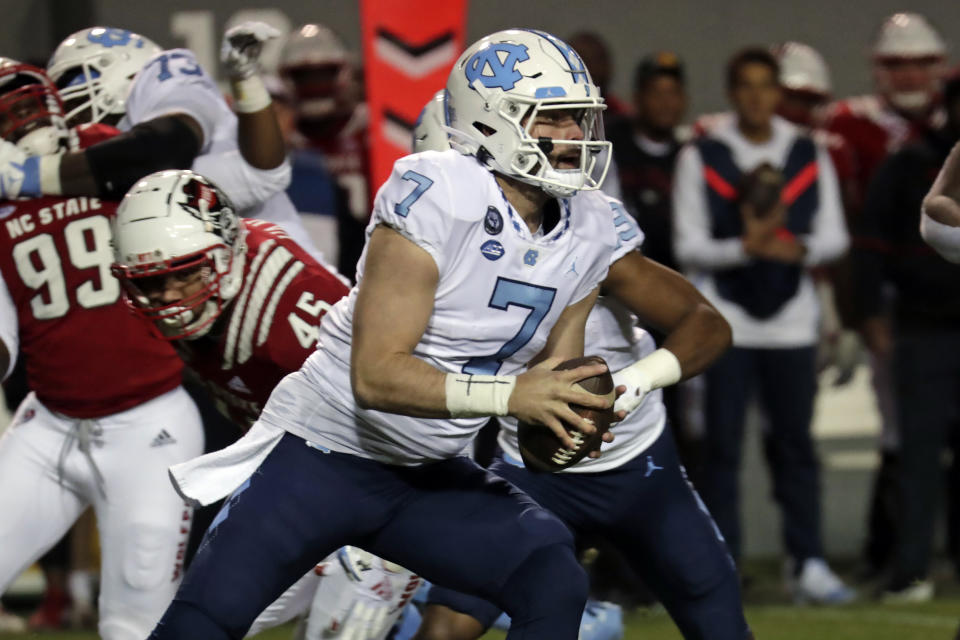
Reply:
x=9, y=327
x=416, y=202
x=174, y=82
x=629, y=237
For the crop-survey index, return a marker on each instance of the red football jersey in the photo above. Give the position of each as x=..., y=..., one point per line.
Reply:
x=347, y=157
x=873, y=130
x=87, y=355
x=268, y=329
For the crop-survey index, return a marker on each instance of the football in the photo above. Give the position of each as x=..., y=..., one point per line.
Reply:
x=761, y=188
x=542, y=450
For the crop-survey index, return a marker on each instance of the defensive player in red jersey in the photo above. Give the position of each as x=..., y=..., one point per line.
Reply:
x=238, y=297
x=242, y=303
x=107, y=415
x=333, y=118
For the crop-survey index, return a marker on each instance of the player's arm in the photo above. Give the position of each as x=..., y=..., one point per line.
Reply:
x=940, y=221
x=258, y=132
x=696, y=333
x=106, y=169
x=394, y=304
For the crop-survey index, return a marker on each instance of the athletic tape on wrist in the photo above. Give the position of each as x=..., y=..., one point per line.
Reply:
x=659, y=369
x=250, y=95
x=942, y=237
x=476, y=396
x=50, y=176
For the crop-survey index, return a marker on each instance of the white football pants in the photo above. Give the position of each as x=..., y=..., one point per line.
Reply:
x=53, y=467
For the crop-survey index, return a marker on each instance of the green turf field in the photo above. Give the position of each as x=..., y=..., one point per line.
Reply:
x=769, y=614
x=936, y=620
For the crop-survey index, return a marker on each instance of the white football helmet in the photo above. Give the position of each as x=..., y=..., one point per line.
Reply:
x=908, y=37
x=320, y=67
x=802, y=68
x=494, y=93
x=430, y=132
x=94, y=68
x=175, y=223
x=31, y=113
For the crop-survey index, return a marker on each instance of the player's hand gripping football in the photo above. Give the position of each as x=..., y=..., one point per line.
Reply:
x=242, y=46
x=543, y=396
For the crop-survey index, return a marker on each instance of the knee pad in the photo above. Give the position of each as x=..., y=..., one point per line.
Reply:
x=148, y=560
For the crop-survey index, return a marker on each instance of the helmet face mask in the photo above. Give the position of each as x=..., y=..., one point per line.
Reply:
x=31, y=113
x=179, y=252
x=503, y=87
x=94, y=68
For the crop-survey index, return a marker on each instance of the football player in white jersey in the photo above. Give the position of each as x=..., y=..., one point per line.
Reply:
x=480, y=262
x=165, y=102
x=665, y=520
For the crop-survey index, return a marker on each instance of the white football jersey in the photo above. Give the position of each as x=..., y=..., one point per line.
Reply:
x=174, y=82
x=500, y=291
x=612, y=333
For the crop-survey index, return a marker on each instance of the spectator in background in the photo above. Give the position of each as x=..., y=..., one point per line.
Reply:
x=645, y=148
x=333, y=118
x=595, y=53
x=908, y=57
x=923, y=339
x=312, y=189
x=749, y=252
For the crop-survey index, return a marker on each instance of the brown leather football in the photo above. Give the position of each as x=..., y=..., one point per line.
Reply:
x=761, y=188
x=542, y=450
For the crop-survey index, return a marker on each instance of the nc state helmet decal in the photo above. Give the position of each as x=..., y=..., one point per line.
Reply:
x=205, y=202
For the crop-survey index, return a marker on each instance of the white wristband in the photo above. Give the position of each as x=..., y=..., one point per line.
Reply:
x=476, y=396
x=50, y=176
x=250, y=95
x=942, y=237
x=659, y=369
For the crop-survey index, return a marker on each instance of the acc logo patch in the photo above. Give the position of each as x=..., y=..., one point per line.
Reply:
x=530, y=257
x=491, y=250
x=496, y=65
x=493, y=221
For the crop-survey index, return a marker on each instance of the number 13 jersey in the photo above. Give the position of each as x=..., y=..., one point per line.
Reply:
x=501, y=289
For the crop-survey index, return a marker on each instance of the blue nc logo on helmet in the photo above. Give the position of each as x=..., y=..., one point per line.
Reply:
x=496, y=65
x=113, y=38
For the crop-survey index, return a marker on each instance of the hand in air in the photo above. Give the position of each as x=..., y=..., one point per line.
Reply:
x=242, y=46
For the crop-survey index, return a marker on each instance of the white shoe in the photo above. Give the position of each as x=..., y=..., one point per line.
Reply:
x=10, y=623
x=818, y=584
x=917, y=591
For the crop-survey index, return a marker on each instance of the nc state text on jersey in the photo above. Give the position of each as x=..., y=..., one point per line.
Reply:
x=24, y=223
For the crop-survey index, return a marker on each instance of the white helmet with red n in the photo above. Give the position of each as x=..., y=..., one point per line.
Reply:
x=430, y=132
x=494, y=93
x=908, y=56
x=94, y=68
x=803, y=69
x=178, y=224
x=31, y=113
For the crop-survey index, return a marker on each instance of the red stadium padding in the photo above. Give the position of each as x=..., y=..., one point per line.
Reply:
x=408, y=49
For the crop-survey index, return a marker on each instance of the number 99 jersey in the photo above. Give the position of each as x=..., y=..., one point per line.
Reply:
x=501, y=289
x=87, y=355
